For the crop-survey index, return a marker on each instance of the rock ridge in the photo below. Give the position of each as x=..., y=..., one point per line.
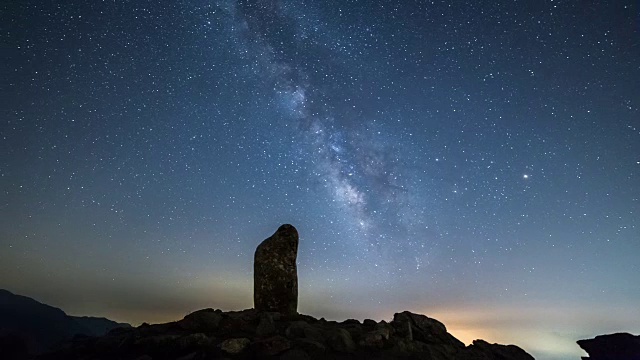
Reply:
x=250, y=334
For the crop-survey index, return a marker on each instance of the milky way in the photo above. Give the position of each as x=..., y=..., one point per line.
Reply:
x=474, y=161
x=346, y=153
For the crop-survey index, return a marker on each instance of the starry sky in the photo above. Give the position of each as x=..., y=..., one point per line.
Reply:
x=474, y=161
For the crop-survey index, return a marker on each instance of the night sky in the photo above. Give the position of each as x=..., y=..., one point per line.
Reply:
x=474, y=161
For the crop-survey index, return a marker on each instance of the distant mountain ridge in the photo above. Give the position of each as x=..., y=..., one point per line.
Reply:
x=40, y=327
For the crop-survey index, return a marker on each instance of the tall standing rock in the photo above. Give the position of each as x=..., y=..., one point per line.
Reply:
x=275, y=274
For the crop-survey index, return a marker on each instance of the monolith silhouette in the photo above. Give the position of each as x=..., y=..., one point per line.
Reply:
x=275, y=274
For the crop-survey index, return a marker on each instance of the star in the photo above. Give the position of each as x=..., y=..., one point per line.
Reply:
x=178, y=136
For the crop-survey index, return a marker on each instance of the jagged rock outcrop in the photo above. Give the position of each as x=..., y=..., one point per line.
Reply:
x=275, y=274
x=620, y=346
x=482, y=350
x=249, y=334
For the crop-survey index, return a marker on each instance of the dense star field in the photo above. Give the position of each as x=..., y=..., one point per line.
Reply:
x=475, y=161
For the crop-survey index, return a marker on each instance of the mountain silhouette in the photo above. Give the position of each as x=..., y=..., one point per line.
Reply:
x=27, y=325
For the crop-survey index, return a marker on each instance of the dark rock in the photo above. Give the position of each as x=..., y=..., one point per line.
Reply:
x=295, y=354
x=235, y=346
x=403, y=327
x=378, y=337
x=157, y=341
x=190, y=356
x=272, y=346
x=384, y=325
x=355, y=331
x=275, y=274
x=421, y=328
x=266, y=326
x=296, y=329
x=340, y=340
x=197, y=340
x=157, y=346
x=481, y=349
x=369, y=322
x=311, y=347
x=158, y=329
x=425, y=336
x=239, y=324
x=375, y=339
x=206, y=320
x=302, y=330
x=620, y=346
x=246, y=315
x=315, y=334
x=405, y=346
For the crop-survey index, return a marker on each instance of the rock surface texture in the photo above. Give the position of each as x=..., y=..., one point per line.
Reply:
x=275, y=274
x=620, y=346
x=249, y=334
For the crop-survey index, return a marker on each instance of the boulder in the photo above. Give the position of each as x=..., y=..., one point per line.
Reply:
x=422, y=328
x=197, y=340
x=481, y=349
x=311, y=347
x=619, y=346
x=271, y=346
x=375, y=338
x=369, y=322
x=206, y=320
x=340, y=340
x=266, y=326
x=303, y=330
x=235, y=346
x=275, y=274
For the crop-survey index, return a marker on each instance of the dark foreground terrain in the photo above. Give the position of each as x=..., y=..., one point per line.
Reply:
x=248, y=334
x=30, y=327
x=620, y=346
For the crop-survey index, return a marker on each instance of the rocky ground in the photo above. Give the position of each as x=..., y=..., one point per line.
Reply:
x=213, y=334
